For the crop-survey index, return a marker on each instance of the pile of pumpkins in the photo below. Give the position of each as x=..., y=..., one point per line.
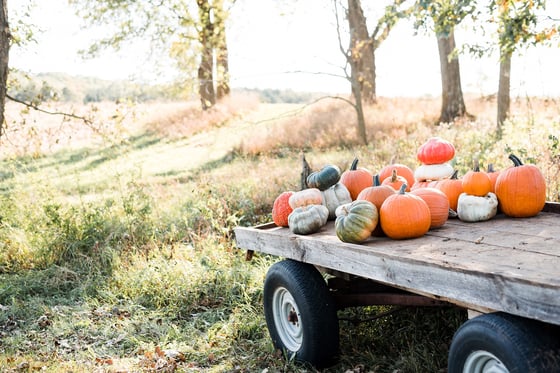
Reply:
x=402, y=203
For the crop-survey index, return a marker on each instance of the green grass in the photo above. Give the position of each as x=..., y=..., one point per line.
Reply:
x=121, y=257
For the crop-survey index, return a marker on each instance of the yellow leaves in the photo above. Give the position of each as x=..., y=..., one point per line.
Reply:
x=161, y=360
x=545, y=35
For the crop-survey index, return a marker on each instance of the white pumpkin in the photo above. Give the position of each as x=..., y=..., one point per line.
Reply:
x=473, y=208
x=335, y=196
x=433, y=172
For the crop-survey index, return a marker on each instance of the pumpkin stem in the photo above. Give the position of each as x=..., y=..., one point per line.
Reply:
x=402, y=189
x=455, y=175
x=394, y=175
x=490, y=168
x=476, y=166
x=516, y=161
x=376, y=180
x=354, y=165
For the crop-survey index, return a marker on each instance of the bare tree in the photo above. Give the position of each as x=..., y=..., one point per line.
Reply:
x=517, y=27
x=364, y=45
x=361, y=53
x=452, y=101
x=443, y=16
x=4, y=59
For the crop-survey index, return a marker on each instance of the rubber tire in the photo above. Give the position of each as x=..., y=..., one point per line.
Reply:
x=521, y=345
x=317, y=312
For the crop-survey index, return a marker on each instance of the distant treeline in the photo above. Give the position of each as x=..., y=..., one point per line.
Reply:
x=276, y=96
x=67, y=88
x=79, y=89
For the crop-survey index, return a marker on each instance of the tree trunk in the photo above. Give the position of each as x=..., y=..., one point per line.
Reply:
x=361, y=52
x=503, y=91
x=358, y=106
x=205, y=69
x=452, y=105
x=4, y=59
x=222, y=64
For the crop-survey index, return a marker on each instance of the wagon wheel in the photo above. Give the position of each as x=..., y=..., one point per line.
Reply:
x=300, y=313
x=502, y=343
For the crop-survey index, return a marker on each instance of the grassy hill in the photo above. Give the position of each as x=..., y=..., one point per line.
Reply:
x=62, y=87
x=116, y=243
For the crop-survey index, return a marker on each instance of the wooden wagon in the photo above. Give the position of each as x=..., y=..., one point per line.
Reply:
x=505, y=271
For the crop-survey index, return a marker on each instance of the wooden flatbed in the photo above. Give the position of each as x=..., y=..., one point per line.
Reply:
x=506, y=269
x=504, y=264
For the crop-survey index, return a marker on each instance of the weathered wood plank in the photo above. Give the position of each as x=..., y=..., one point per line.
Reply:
x=452, y=264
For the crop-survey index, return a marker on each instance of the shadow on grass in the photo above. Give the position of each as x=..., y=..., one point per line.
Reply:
x=195, y=173
x=89, y=157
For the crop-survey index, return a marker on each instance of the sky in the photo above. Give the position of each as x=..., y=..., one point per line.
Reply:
x=271, y=44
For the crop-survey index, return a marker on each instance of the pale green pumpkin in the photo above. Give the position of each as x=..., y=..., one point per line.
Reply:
x=356, y=221
x=308, y=219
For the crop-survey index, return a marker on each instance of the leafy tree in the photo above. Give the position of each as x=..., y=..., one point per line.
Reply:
x=443, y=16
x=360, y=55
x=363, y=45
x=176, y=26
x=518, y=27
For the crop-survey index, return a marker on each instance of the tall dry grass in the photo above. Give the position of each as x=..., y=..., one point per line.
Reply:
x=395, y=128
x=179, y=120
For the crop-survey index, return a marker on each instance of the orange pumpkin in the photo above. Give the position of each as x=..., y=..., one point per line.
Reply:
x=423, y=184
x=437, y=203
x=452, y=188
x=476, y=183
x=435, y=151
x=376, y=194
x=281, y=209
x=356, y=179
x=402, y=170
x=396, y=181
x=521, y=190
x=404, y=215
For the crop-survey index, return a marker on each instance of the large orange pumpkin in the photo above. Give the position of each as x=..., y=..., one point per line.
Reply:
x=376, y=194
x=521, y=190
x=437, y=203
x=356, y=179
x=404, y=215
x=452, y=188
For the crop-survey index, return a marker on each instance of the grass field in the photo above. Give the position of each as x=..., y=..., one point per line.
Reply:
x=116, y=237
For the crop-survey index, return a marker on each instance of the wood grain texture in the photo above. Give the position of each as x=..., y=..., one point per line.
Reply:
x=505, y=264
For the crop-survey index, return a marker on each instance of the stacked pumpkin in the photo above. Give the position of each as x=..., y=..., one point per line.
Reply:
x=477, y=202
x=436, y=172
x=434, y=156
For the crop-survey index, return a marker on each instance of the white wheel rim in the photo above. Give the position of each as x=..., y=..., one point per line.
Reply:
x=287, y=319
x=483, y=362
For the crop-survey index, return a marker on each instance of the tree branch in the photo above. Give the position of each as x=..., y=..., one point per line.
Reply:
x=35, y=107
